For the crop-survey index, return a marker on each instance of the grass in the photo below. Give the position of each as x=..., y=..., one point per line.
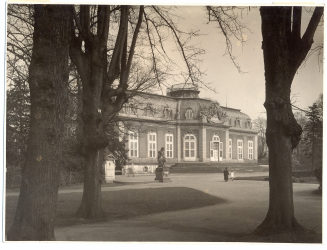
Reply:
x=124, y=204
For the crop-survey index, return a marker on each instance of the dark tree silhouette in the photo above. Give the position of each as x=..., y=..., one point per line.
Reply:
x=284, y=49
x=48, y=79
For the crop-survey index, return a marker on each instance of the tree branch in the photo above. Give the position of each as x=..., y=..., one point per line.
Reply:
x=135, y=35
x=296, y=27
x=312, y=26
x=114, y=66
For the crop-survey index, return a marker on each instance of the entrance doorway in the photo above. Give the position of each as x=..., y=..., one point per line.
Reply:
x=216, y=149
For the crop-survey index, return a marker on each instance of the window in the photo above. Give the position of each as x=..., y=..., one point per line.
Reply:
x=133, y=144
x=189, y=114
x=152, y=145
x=240, y=149
x=250, y=150
x=189, y=147
x=221, y=150
x=230, y=148
x=169, y=146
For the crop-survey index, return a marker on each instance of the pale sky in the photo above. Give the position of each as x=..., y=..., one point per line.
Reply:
x=246, y=91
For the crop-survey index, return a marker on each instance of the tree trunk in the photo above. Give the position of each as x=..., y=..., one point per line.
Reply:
x=94, y=141
x=284, y=49
x=282, y=130
x=48, y=79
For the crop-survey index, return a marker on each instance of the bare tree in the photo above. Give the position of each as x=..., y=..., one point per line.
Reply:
x=284, y=49
x=105, y=68
x=48, y=77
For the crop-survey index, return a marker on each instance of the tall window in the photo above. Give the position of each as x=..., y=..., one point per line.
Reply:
x=230, y=148
x=133, y=144
x=152, y=145
x=189, y=114
x=189, y=147
x=169, y=146
x=250, y=150
x=240, y=149
x=221, y=145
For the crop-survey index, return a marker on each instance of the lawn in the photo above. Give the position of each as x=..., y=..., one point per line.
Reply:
x=124, y=204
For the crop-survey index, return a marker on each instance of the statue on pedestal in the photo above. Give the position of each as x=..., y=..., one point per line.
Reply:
x=161, y=165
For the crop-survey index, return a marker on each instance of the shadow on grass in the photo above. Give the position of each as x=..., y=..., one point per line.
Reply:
x=124, y=204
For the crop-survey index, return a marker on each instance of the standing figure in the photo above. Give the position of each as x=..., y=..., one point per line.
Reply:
x=226, y=173
x=161, y=164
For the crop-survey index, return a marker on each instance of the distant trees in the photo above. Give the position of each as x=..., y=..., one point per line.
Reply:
x=313, y=136
x=260, y=124
x=19, y=51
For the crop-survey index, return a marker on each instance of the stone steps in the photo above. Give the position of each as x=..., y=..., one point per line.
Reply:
x=203, y=167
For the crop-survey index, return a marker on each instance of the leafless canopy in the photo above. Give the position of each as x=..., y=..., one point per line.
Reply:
x=228, y=20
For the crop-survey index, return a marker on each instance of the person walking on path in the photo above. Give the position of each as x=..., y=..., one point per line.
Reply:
x=226, y=173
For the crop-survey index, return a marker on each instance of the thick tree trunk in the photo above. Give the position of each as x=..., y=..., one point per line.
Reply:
x=94, y=141
x=48, y=79
x=283, y=133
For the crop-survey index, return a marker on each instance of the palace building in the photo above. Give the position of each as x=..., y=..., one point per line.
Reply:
x=190, y=128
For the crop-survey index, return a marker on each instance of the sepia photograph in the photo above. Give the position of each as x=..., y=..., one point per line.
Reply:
x=156, y=122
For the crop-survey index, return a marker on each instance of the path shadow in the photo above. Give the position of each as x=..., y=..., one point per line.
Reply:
x=124, y=204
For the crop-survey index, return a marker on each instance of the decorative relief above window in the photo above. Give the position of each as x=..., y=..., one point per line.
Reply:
x=167, y=113
x=149, y=110
x=130, y=108
x=212, y=113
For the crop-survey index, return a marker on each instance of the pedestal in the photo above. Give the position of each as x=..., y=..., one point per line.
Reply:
x=109, y=170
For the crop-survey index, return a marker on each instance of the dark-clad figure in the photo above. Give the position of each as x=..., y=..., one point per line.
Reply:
x=226, y=173
x=161, y=164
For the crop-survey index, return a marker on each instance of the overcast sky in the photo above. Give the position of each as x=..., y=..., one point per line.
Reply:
x=246, y=91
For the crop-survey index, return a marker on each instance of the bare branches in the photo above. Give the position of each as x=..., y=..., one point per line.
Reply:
x=19, y=43
x=229, y=24
x=312, y=26
x=301, y=47
x=114, y=66
x=136, y=32
x=190, y=67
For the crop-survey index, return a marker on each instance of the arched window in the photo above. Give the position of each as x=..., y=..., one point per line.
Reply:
x=189, y=147
x=189, y=114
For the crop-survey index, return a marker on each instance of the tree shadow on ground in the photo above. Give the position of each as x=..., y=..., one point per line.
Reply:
x=313, y=193
x=124, y=204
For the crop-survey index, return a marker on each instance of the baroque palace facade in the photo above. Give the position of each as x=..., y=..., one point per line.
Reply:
x=190, y=128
